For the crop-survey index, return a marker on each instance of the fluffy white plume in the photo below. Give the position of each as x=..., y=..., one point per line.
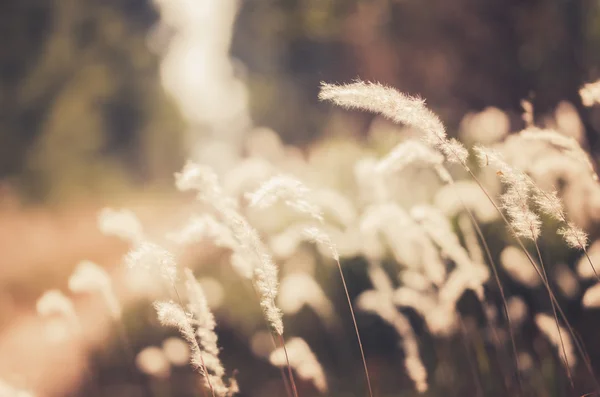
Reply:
x=524, y=221
x=204, y=323
x=170, y=314
x=411, y=153
x=318, y=236
x=264, y=271
x=290, y=191
x=152, y=258
x=399, y=108
x=564, y=144
x=203, y=227
x=201, y=179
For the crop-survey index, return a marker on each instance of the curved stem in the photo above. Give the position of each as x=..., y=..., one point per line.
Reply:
x=360, y=345
x=289, y=367
x=552, y=297
x=498, y=283
x=562, y=343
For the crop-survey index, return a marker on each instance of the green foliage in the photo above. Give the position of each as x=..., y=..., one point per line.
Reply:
x=86, y=107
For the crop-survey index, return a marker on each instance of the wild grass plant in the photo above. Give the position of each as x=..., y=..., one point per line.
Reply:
x=457, y=267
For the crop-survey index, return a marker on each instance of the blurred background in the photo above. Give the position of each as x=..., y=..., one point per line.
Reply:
x=102, y=101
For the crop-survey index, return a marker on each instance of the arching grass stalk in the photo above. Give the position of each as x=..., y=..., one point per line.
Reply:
x=496, y=278
x=576, y=239
x=360, y=345
x=295, y=195
x=197, y=346
x=457, y=156
x=204, y=180
x=565, y=358
x=580, y=349
x=411, y=111
x=289, y=367
x=319, y=237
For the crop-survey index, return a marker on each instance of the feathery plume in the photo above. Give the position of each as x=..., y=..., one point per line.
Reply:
x=573, y=236
x=287, y=189
x=204, y=323
x=203, y=227
x=398, y=107
x=409, y=153
x=318, y=236
x=520, y=188
x=199, y=178
x=152, y=258
x=514, y=200
x=89, y=277
x=564, y=144
x=121, y=223
x=303, y=360
x=264, y=271
x=170, y=314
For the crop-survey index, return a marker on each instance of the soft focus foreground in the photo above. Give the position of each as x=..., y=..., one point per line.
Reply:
x=158, y=241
